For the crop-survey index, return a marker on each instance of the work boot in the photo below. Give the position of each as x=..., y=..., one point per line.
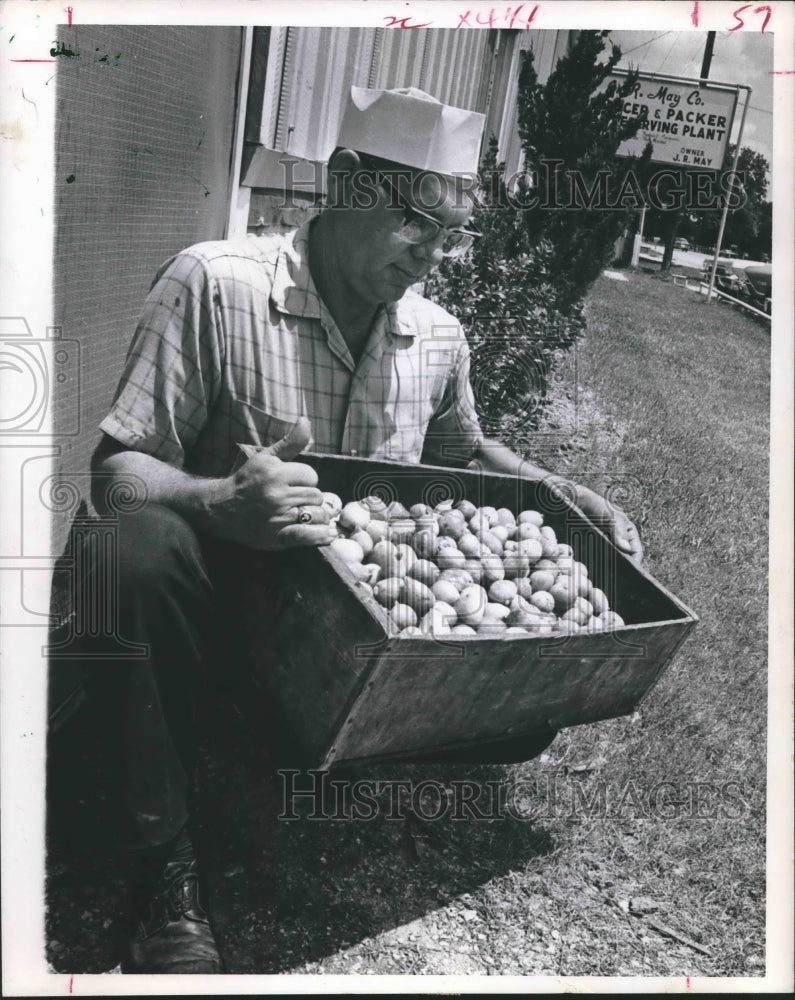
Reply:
x=173, y=933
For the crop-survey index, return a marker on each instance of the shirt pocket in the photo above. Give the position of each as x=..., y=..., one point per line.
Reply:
x=403, y=427
x=258, y=429
x=411, y=392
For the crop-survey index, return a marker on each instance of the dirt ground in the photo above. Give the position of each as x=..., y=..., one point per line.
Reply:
x=383, y=896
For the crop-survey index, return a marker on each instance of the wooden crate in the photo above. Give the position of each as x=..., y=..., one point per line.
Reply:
x=351, y=692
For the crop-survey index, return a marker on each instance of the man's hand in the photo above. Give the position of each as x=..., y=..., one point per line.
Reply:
x=261, y=503
x=496, y=457
x=623, y=532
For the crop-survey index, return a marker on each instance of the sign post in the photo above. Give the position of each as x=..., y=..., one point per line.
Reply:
x=725, y=212
x=638, y=238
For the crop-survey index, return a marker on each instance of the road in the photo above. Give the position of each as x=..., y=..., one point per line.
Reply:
x=690, y=258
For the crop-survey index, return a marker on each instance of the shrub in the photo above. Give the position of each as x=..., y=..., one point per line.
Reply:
x=519, y=292
x=505, y=295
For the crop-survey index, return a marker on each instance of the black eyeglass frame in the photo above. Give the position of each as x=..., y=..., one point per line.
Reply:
x=467, y=234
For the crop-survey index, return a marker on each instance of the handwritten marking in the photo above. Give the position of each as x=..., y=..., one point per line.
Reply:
x=402, y=22
x=70, y=987
x=782, y=72
x=687, y=983
x=757, y=10
x=33, y=60
x=492, y=18
x=694, y=15
x=516, y=13
x=768, y=15
x=69, y=12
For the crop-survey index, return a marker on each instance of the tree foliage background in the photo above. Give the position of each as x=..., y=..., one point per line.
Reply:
x=748, y=228
x=519, y=293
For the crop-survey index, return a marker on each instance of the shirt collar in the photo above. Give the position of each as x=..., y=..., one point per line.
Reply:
x=293, y=290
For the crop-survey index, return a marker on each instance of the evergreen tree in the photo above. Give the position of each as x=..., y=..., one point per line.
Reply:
x=571, y=128
x=546, y=236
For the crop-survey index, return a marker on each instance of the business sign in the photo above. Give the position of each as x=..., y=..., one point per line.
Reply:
x=689, y=121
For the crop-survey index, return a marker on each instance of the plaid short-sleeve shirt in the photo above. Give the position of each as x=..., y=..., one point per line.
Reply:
x=235, y=344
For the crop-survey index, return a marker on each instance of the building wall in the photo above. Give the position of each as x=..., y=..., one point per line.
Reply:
x=310, y=72
x=145, y=119
x=319, y=65
x=547, y=47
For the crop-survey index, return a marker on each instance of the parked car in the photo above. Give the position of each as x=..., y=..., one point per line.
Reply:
x=726, y=278
x=758, y=284
x=680, y=243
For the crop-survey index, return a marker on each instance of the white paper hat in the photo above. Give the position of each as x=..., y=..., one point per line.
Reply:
x=411, y=127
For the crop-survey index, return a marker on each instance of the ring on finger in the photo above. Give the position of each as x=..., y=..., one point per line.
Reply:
x=304, y=515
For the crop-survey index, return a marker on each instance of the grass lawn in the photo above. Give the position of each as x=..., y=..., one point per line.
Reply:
x=673, y=400
x=640, y=845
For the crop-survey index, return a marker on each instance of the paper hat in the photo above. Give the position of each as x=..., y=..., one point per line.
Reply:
x=410, y=127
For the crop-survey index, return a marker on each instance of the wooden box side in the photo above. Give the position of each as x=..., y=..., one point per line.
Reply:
x=352, y=692
x=477, y=690
x=305, y=624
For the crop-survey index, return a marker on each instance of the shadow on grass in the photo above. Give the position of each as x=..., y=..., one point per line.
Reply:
x=282, y=892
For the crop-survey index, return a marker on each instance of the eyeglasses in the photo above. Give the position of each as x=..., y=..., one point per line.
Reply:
x=417, y=226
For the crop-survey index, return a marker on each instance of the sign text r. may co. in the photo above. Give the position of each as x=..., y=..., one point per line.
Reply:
x=687, y=123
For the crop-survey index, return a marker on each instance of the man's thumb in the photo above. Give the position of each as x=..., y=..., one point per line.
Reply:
x=293, y=442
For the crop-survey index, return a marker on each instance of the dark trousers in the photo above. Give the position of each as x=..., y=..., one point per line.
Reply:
x=170, y=594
